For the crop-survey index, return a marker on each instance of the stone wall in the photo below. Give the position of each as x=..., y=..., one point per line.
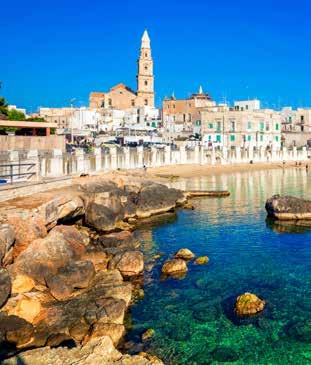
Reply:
x=58, y=164
x=27, y=143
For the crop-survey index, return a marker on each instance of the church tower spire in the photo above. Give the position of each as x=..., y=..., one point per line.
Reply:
x=145, y=78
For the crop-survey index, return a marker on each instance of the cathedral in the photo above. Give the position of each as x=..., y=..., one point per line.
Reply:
x=123, y=97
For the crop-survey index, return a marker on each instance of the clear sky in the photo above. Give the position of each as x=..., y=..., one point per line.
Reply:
x=53, y=51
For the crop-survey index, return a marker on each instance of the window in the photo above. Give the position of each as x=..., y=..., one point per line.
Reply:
x=249, y=138
x=198, y=122
x=249, y=125
x=261, y=138
x=261, y=126
x=218, y=126
x=146, y=67
x=277, y=126
x=146, y=54
x=146, y=101
x=173, y=106
x=209, y=138
x=146, y=82
x=133, y=102
x=277, y=138
x=109, y=102
x=218, y=138
x=232, y=138
x=232, y=126
x=210, y=125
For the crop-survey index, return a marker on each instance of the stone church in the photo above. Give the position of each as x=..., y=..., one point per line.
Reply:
x=123, y=97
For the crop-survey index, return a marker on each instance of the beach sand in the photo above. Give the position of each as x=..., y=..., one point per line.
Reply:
x=206, y=170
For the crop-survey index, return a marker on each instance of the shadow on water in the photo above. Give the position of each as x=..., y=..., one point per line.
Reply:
x=299, y=226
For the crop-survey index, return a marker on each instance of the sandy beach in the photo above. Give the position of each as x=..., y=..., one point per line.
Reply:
x=199, y=170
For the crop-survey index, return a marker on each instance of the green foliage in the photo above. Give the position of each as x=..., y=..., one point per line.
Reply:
x=3, y=106
x=14, y=114
x=36, y=119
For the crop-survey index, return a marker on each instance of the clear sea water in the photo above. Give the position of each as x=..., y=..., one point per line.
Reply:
x=192, y=317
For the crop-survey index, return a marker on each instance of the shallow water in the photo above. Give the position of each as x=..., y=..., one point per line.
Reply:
x=192, y=318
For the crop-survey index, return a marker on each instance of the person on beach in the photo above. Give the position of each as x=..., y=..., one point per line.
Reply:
x=145, y=168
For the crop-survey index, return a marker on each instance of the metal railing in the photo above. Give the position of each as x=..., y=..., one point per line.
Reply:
x=7, y=171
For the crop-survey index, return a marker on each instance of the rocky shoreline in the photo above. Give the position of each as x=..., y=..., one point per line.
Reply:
x=68, y=260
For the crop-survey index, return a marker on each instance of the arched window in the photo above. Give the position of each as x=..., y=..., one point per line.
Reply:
x=146, y=82
x=146, y=101
x=146, y=67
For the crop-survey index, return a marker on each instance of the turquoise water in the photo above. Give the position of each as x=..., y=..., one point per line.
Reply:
x=192, y=317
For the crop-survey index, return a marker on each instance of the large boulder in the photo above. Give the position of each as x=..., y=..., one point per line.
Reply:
x=43, y=257
x=118, y=240
x=288, y=208
x=129, y=263
x=99, y=350
x=5, y=286
x=27, y=228
x=15, y=330
x=185, y=254
x=7, y=238
x=174, y=266
x=248, y=304
x=104, y=303
x=75, y=275
x=157, y=198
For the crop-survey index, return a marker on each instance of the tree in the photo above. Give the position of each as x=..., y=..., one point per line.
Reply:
x=14, y=114
x=3, y=106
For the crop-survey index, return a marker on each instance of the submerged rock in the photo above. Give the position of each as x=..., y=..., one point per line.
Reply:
x=300, y=330
x=202, y=260
x=248, y=304
x=288, y=208
x=185, y=254
x=174, y=266
x=147, y=334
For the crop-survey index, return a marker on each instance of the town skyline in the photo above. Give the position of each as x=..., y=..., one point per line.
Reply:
x=68, y=56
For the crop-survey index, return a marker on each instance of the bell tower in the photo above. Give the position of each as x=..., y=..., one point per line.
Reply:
x=145, y=78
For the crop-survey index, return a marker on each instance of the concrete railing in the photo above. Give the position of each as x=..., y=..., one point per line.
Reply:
x=56, y=163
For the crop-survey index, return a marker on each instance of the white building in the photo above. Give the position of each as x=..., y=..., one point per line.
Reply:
x=247, y=105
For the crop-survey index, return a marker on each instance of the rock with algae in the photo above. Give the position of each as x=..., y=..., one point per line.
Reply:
x=248, y=304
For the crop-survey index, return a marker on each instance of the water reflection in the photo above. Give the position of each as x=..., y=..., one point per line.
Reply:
x=192, y=318
x=299, y=226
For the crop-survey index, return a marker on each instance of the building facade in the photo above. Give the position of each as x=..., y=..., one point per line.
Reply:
x=296, y=127
x=123, y=97
x=245, y=129
x=180, y=116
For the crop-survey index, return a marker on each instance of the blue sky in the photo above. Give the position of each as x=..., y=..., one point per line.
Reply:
x=52, y=51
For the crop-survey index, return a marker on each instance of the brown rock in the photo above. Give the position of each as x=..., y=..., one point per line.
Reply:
x=185, y=254
x=7, y=237
x=22, y=284
x=248, y=304
x=15, y=330
x=130, y=263
x=5, y=286
x=202, y=260
x=114, y=331
x=43, y=257
x=26, y=229
x=174, y=266
x=75, y=275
